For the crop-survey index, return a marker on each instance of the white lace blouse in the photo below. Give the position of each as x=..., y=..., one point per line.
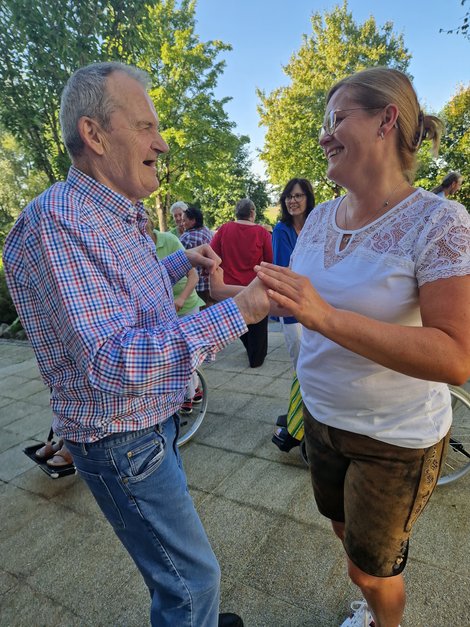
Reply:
x=422, y=239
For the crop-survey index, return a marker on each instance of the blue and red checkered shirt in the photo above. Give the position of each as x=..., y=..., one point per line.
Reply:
x=97, y=306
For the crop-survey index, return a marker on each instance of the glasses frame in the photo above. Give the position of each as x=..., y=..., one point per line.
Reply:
x=330, y=124
x=295, y=197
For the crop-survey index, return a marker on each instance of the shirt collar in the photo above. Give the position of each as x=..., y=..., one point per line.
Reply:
x=106, y=197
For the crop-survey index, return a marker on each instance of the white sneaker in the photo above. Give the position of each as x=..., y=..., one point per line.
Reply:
x=360, y=617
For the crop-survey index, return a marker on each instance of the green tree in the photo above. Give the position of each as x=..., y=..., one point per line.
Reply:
x=41, y=44
x=20, y=181
x=454, y=153
x=293, y=114
x=185, y=71
x=455, y=147
x=235, y=181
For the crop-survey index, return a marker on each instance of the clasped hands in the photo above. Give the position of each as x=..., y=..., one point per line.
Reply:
x=293, y=295
x=276, y=290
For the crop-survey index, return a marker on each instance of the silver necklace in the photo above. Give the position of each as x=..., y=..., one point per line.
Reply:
x=347, y=236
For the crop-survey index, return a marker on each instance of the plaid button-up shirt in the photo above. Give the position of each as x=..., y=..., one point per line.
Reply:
x=193, y=238
x=97, y=306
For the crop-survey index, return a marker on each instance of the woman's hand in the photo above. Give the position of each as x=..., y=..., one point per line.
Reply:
x=293, y=293
x=179, y=302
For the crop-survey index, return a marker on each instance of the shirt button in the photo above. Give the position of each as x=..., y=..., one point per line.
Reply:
x=129, y=219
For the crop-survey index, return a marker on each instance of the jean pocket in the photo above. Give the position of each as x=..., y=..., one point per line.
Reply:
x=103, y=497
x=145, y=456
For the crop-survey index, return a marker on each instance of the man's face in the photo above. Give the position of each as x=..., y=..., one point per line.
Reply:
x=133, y=142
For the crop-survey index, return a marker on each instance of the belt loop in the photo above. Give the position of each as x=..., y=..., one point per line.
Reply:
x=83, y=447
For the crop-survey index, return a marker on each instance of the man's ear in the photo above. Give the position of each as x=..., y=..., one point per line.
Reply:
x=92, y=134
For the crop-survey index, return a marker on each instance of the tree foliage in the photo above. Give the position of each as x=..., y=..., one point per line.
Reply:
x=234, y=183
x=294, y=114
x=42, y=43
x=454, y=152
x=185, y=71
x=20, y=181
x=463, y=28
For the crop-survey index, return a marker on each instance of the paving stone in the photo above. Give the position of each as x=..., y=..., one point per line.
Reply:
x=62, y=565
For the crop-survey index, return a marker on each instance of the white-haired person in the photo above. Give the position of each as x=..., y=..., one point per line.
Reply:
x=380, y=283
x=177, y=210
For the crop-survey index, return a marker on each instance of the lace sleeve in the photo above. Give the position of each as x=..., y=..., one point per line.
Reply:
x=445, y=245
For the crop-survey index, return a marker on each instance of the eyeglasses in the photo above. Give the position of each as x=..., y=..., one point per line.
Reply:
x=295, y=197
x=332, y=121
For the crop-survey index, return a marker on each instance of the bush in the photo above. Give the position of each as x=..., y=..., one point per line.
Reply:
x=7, y=308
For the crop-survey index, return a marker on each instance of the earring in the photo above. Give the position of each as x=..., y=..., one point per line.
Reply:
x=381, y=134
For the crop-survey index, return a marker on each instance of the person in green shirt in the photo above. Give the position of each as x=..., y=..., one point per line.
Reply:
x=187, y=302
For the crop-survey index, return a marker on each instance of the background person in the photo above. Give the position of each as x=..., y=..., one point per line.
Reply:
x=195, y=234
x=177, y=210
x=297, y=201
x=97, y=306
x=242, y=245
x=450, y=185
x=187, y=303
x=380, y=282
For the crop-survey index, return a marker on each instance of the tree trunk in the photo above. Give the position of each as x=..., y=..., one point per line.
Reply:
x=161, y=213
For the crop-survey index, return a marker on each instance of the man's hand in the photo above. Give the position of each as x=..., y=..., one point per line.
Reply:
x=217, y=287
x=204, y=257
x=253, y=302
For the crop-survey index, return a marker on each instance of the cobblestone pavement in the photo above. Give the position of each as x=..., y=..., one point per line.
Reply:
x=60, y=563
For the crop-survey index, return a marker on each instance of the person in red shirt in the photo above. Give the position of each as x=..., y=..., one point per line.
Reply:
x=242, y=245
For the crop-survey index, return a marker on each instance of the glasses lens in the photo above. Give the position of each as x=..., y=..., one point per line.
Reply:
x=295, y=197
x=329, y=125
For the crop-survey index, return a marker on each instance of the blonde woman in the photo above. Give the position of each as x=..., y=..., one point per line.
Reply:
x=380, y=282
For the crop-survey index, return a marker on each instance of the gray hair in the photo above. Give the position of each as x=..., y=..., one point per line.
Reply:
x=244, y=208
x=85, y=94
x=179, y=204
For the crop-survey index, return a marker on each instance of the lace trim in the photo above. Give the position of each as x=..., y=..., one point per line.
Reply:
x=429, y=232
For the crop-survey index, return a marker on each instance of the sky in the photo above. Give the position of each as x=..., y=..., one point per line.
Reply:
x=265, y=33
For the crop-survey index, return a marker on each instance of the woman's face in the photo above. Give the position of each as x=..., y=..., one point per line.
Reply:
x=352, y=138
x=178, y=214
x=296, y=201
x=188, y=222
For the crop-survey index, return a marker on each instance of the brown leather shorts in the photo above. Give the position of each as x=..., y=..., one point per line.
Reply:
x=377, y=490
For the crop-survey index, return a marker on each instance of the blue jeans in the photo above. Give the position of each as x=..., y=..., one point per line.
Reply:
x=138, y=481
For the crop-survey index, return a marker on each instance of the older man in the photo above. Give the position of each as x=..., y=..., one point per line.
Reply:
x=97, y=306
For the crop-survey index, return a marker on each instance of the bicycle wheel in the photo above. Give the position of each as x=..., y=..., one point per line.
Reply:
x=190, y=423
x=457, y=460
